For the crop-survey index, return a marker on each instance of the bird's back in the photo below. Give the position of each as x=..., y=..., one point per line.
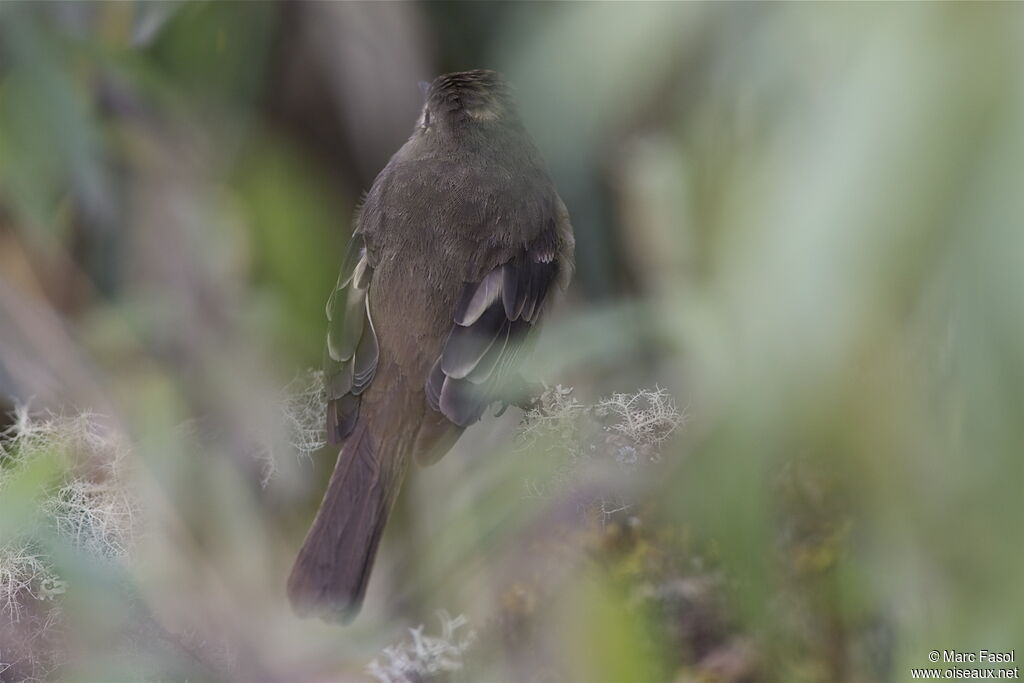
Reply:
x=472, y=215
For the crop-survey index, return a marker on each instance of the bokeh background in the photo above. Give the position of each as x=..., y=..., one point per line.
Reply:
x=792, y=448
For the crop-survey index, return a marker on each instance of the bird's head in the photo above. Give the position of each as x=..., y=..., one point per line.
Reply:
x=468, y=99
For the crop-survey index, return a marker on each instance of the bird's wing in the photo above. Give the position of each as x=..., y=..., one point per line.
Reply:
x=351, y=353
x=492, y=320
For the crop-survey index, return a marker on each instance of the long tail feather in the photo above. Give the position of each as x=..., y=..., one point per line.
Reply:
x=331, y=573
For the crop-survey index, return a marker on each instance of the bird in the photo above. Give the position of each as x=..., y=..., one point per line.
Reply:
x=459, y=249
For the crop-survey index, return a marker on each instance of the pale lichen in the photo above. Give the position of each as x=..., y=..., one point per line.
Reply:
x=422, y=656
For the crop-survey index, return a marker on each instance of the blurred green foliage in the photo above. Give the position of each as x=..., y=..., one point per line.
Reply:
x=216, y=51
x=298, y=232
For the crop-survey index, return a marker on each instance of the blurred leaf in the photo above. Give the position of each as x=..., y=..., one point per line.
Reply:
x=22, y=488
x=49, y=142
x=217, y=49
x=299, y=228
x=608, y=639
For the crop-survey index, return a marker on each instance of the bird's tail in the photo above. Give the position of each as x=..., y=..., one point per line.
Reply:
x=332, y=570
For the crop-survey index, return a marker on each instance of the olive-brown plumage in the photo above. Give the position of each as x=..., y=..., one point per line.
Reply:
x=458, y=248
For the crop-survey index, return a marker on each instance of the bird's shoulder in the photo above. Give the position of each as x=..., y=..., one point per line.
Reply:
x=481, y=208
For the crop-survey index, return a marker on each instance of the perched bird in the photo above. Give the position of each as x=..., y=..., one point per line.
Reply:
x=457, y=251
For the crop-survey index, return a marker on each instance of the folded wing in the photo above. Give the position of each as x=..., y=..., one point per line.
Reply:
x=351, y=353
x=492, y=320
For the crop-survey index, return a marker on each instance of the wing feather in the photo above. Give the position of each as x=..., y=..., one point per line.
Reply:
x=476, y=300
x=467, y=346
x=493, y=318
x=352, y=350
